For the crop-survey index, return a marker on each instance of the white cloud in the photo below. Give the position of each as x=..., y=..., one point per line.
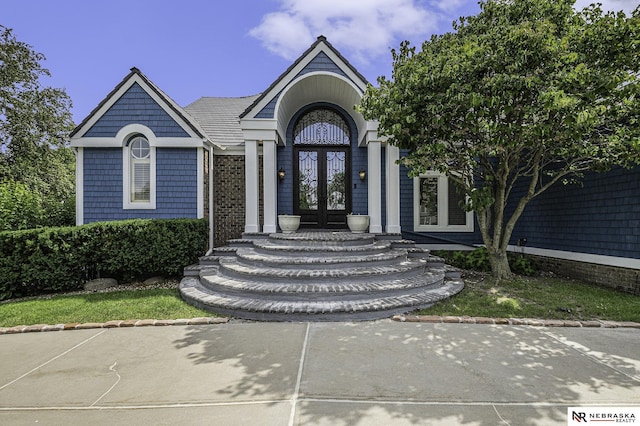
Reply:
x=364, y=29
x=609, y=5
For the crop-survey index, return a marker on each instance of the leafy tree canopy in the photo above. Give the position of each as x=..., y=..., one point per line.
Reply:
x=527, y=93
x=35, y=122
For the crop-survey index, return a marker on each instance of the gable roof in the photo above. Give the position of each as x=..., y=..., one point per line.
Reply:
x=320, y=39
x=219, y=117
x=136, y=74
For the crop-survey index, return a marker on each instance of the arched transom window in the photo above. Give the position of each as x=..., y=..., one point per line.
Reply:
x=321, y=127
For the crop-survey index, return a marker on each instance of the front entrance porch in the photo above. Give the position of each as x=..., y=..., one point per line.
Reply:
x=380, y=184
x=318, y=276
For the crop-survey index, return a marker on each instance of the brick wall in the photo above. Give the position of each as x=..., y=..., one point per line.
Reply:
x=624, y=279
x=228, y=198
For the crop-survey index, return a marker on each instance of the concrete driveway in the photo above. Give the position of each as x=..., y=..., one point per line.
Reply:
x=369, y=373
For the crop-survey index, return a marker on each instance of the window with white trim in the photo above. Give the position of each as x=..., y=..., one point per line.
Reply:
x=437, y=205
x=138, y=174
x=140, y=163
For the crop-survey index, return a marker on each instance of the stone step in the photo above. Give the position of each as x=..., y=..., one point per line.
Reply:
x=385, y=236
x=211, y=260
x=248, y=307
x=225, y=251
x=452, y=272
x=197, y=270
x=328, y=239
x=306, y=260
x=240, y=242
x=435, y=261
x=418, y=252
x=280, y=248
x=402, y=243
x=320, y=290
x=235, y=268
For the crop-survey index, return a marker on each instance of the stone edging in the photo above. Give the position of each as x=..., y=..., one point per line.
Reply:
x=430, y=319
x=111, y=324
x=435, y=319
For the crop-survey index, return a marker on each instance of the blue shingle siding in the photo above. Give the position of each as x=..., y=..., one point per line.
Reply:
x=602, y=216
x=320, y=63
x=136, y=106
x=269, y=110
x=359, y=188
x=102, y=183
x=285, y=187
x=177, y=182
x=176, y=185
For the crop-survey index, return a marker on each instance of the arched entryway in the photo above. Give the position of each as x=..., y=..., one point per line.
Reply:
x=322, y=168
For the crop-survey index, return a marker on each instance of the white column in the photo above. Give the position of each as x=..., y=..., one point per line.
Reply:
x=212, y=235
x=374, y=177
x=251, y=191
x=270, y=186
x=393, y=190
x=200, y=185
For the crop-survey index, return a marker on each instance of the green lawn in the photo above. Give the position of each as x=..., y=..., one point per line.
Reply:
x=544, y=298
x=99, y=307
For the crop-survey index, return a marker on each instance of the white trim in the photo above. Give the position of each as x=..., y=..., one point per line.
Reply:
x=231, y=150
x=286, y=80
x=374, y=183
x=252, y=183
x=79, y=186
x=125, y=133
x=599, y=259
x=259, y=124
x=393, y=189
x=258, y=134
x=116, y=142
x=443, y=207
x=135, y=78
x=342, y=101
x=270, y=185
x=200, y=184
x=211, y=212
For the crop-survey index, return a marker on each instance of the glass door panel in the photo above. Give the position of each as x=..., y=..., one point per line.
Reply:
x=308, y=180
x=335, y=178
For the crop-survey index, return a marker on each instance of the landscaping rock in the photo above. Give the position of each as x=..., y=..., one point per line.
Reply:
x=100, y=284
x=154, y=280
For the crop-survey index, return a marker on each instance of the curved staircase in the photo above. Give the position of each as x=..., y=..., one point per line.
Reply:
x=318, y=276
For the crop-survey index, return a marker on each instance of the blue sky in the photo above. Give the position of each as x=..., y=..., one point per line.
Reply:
x=195, y=48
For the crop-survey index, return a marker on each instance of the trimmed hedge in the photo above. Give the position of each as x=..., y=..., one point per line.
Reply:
x=45, y=260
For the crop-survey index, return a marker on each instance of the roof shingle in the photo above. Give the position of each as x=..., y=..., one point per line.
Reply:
x=220, y=117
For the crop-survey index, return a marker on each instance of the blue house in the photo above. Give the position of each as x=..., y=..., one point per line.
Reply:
x=301, y=148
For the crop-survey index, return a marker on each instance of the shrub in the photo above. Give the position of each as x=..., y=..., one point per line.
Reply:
x=478, y=260
x=20, y=208
x=44, y=260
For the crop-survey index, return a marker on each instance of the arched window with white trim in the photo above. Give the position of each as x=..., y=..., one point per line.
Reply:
x=140, y=164
x=138, y=173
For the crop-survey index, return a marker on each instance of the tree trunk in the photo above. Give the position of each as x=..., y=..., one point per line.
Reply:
x=500, y=268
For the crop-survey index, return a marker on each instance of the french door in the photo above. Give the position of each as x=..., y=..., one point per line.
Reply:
x=322, y=195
